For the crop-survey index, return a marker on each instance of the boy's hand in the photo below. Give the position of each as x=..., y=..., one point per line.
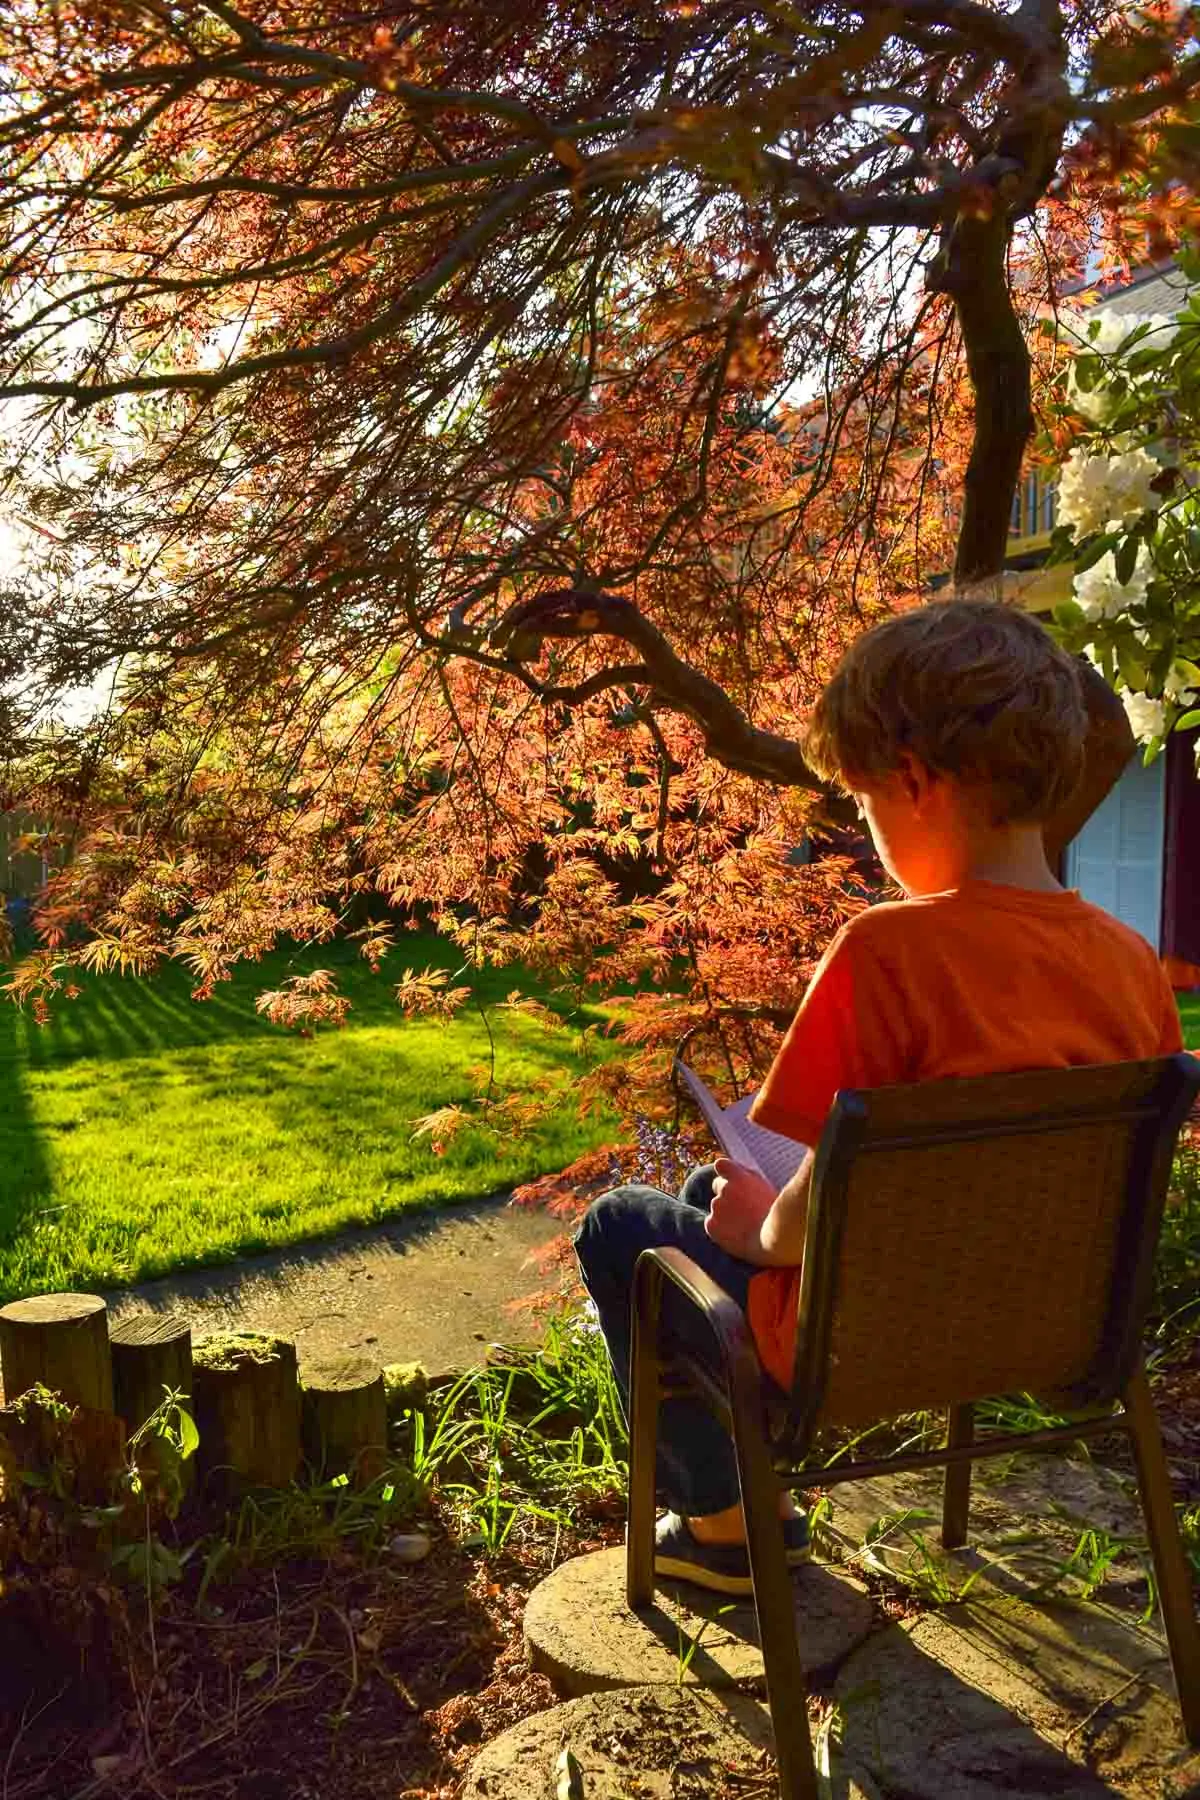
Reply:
x=741, y=1201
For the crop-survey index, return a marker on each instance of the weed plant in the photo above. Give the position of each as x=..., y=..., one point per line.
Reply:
x=535, y=1436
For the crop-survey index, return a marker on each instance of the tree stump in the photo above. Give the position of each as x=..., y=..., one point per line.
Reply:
x=344, y=1415
x=150, y=1353
x=247, y=1406
x=61, y=1342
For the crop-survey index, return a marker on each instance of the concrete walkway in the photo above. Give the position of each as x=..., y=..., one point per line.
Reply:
x=434, y=1287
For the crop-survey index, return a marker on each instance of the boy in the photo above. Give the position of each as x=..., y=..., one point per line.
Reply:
x=959, y=728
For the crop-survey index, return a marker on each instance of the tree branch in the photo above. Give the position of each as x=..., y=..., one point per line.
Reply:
x=415, y=296
x=728, y=734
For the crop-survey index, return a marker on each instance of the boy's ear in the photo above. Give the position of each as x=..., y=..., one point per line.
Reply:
x=916, y=780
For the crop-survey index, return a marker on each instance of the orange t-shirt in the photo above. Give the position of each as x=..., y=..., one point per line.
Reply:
x=982, y=980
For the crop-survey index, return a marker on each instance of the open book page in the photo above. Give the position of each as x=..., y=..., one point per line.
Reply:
x=776, y=1158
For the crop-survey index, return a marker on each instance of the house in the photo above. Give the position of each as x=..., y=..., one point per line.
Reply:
x=1138, y=856
x=24, y=865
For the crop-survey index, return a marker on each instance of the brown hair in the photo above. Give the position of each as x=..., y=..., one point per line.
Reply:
x=971, y=688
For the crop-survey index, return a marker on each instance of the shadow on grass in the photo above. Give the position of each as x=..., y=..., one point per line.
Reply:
x=25, y=1196
x=116, y=1017
x=173, y=1147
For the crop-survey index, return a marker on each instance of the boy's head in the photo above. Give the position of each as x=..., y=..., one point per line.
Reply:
x=972, y=689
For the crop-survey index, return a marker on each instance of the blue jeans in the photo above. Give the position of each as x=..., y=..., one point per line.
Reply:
x=697, y=1472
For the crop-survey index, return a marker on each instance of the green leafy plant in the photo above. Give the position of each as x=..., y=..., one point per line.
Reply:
x=318, y=1520
x=1189, y=1530
x=533, y=1435
x=1176, y=1309
x=1089, y=1565
x=1128, y=508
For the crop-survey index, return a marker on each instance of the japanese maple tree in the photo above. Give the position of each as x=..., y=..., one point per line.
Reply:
x=462, y=440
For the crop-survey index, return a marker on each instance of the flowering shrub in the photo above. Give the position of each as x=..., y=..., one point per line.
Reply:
x=1129, y=508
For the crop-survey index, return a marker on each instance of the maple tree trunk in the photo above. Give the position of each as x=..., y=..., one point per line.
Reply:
x=972, y=269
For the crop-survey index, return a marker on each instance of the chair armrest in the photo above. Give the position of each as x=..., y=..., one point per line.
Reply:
x=723, y=1316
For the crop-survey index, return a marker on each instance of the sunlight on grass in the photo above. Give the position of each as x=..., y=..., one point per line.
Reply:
x=144, y=1132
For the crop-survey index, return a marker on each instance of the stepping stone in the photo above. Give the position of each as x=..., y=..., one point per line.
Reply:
x=1026, y=1516
x=998, y=1698
x=653, y=1742
x=580, y=1632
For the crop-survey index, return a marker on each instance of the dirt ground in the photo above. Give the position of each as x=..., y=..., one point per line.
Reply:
x=346, y=1678
x=431, y=1288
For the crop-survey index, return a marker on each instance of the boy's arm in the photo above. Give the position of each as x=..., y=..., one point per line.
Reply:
x=850, y=1032
x=784, y=1228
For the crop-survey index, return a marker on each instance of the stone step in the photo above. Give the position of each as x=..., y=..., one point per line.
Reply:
x=994, y=1698
x=580, y=1632
x=990, y=1697
x=994, y=1695
x=655, y=1743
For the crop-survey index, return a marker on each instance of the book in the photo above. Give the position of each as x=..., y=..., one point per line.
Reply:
x=771, y=1155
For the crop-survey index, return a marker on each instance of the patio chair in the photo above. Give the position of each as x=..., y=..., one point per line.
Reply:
x=965, y=1239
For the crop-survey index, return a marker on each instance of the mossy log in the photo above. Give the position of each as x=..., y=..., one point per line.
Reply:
x=344, y=1413
x=151, y=1352
x=247, y=1407
x=58, y=1341
x=405, y=1385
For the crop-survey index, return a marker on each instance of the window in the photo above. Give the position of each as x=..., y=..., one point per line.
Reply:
x=1033, y=506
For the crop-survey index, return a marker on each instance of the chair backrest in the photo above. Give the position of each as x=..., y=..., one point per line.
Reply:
x=986, y=1236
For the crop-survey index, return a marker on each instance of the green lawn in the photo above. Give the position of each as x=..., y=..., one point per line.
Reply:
x=1189, y=1012
x=143, y=1132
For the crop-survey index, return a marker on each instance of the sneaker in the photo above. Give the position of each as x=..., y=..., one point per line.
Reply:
x=722, y=1568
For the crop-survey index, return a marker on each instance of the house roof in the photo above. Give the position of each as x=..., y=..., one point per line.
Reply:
x=1152, y=290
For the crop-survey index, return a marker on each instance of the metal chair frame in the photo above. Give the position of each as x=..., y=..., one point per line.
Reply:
x=773, y=1433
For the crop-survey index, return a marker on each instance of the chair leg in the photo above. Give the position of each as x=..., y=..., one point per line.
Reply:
x=1171, y=1569
x=956, y=1492
x=645, y=1383
x=773, y=1601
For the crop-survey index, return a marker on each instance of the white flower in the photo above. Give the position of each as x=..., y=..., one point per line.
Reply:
x=1175, y=688
x=1096, y=404
x=1147, y=717
x=1095, y=490
x=1106, y=332
x=1106, y=335
x=1102, y=596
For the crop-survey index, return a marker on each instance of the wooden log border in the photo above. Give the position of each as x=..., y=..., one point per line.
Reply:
x=263, y=1418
